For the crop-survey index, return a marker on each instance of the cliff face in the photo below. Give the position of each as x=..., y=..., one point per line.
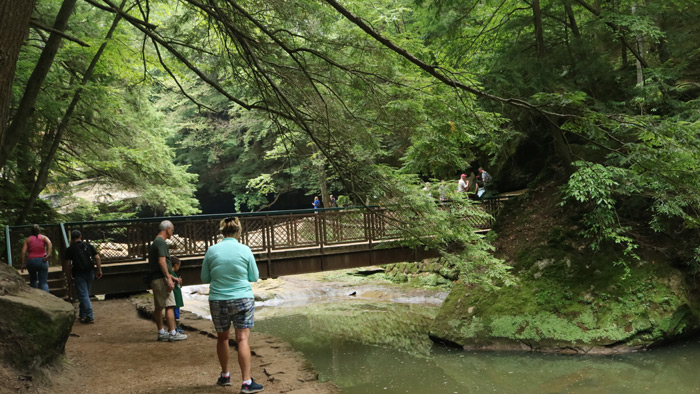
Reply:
x=34, y=325
x=569, y=298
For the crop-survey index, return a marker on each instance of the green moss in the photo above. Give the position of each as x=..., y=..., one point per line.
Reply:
x=570, y=300
x=474, y=328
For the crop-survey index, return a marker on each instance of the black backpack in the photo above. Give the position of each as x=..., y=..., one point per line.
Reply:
x=82, y=259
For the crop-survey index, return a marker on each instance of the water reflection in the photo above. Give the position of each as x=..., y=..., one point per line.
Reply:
x=670, y=370
x=383, y=348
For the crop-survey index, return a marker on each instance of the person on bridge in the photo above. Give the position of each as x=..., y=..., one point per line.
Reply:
x=83, y=258
x=316, y=203
x=442, y=190
x=163, y=283
x=37, y=248
x=229, y=267
x=485, y=177
x=487, y=187
x=463, y=184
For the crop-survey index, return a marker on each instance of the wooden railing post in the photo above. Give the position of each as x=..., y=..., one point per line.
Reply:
x=267, y=242
x=66, y=269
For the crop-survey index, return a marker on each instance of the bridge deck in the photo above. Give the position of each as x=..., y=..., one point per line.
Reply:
x=283, y=243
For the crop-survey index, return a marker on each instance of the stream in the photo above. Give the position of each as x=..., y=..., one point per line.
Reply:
x=370, y=336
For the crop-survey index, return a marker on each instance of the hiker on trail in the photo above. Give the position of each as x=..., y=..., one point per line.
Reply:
x=487, y=186
x=463, y=184
x=229, y=267
x=37, y=249
x=83, y=259
x=485, y=177
x=426, y=189
x=443, y=192
x=163, y=284
x=480, y=189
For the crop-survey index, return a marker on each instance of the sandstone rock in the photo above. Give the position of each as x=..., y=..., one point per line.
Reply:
x=34, y=325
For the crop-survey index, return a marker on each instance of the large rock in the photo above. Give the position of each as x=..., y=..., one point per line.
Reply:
x=573, y=304
x=567, y=297
x=34, y=325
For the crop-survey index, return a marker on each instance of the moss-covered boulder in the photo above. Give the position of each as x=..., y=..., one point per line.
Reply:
x=571, y=315
x=427, y=273
x=34, y=325
x=569, y=298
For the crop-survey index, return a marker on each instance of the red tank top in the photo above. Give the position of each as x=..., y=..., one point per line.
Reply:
x=36, y=246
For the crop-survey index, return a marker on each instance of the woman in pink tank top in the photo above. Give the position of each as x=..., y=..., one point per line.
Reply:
x=35, y=258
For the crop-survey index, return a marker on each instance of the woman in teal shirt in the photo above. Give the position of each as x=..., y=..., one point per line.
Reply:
x=229, y=267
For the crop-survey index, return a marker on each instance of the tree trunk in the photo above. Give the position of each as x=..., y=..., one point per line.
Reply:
x=561, y=146
x=14, y=25
x=572, y=20
x=47, y=159
x=325, y=197
x=20, y=123
x=640, y=50
x=25, y=165
x=623, y=55
x=539, y=33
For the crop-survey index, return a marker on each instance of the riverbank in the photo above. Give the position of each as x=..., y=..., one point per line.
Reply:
x=119, y=353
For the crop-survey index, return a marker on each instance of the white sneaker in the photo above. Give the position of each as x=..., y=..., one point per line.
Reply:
x=163, y=337
x=176, y=337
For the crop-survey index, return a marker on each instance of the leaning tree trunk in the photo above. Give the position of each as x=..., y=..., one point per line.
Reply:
x=14, y=25
x=572, y=20
x=47, y=160
x=20, y=122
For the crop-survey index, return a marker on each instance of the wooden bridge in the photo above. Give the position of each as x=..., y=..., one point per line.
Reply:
x=283, y=242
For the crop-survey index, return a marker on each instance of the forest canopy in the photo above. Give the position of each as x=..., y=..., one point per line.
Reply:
x=261, y=99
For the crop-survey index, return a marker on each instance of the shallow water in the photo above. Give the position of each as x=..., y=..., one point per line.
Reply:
x=378, y=345
x=357, y=367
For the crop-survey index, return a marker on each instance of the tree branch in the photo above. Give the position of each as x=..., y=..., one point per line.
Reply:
x=147, y=29
x=36, y=25
x=436, y=71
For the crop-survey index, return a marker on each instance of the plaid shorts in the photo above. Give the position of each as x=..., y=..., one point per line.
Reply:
x=239, y=311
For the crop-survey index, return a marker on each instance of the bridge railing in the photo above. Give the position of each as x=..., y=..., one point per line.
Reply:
x=128, y=240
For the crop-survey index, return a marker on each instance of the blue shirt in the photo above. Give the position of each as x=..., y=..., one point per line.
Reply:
x=229, y=267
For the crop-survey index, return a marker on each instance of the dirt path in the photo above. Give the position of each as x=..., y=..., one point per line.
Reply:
x=120, y=354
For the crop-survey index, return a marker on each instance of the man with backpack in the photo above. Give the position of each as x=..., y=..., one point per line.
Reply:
x=83, y=258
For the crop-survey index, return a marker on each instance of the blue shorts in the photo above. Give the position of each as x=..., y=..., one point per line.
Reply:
x=240, y=312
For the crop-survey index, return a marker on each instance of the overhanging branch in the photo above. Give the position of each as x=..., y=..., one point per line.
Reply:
x=35, y=24
x=436, y=71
